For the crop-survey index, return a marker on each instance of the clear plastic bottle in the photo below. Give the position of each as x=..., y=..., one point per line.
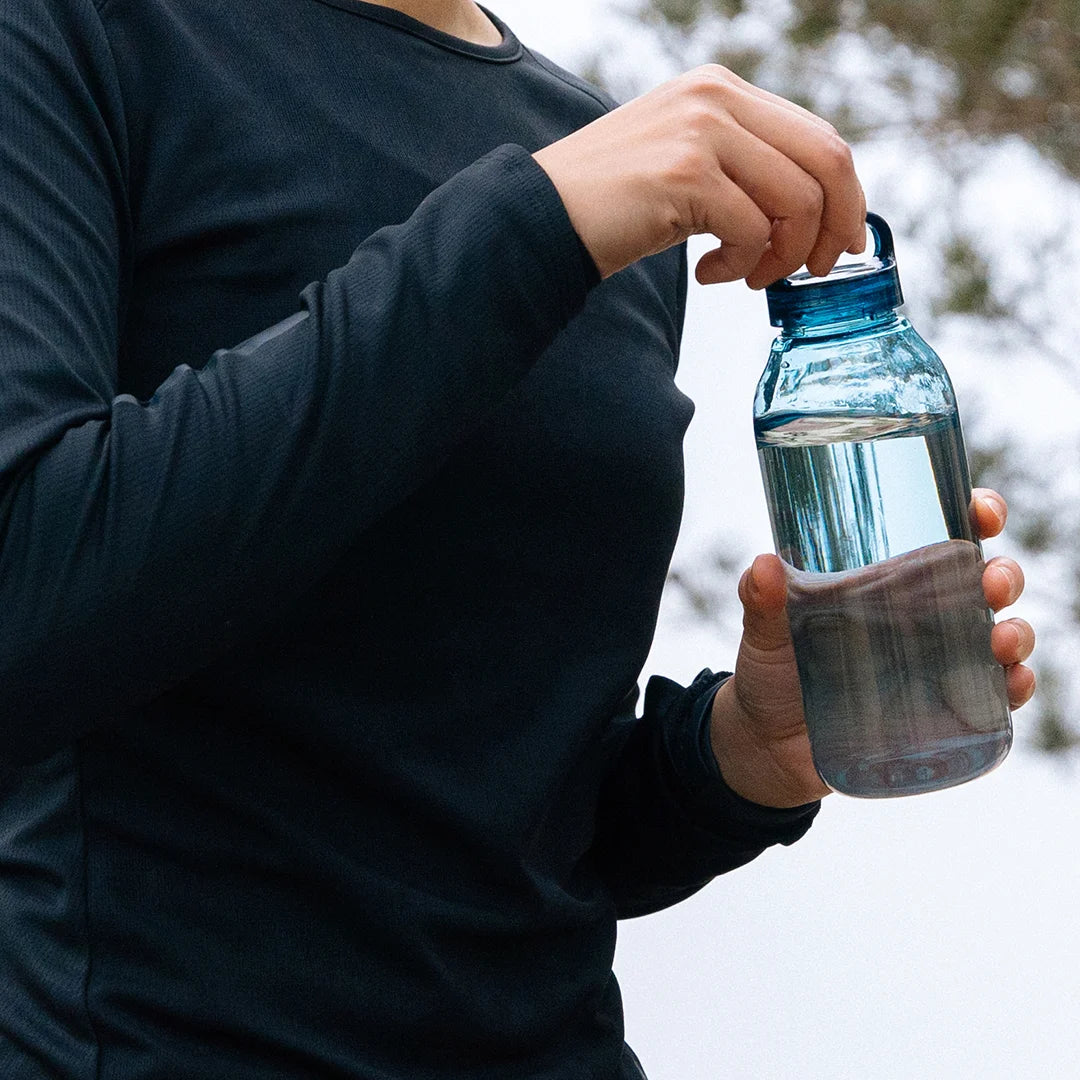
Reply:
x=868, y=488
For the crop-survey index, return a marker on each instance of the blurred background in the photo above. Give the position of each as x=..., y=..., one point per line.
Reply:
x=935, y=936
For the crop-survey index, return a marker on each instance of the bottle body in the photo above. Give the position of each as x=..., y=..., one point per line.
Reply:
x=867, y=482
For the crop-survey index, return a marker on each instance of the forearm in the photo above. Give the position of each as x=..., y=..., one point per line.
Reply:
x=668, y=822
x=140, y=540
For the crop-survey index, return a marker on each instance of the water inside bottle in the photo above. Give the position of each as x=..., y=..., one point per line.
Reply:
x=891, y=629
x=848, y=490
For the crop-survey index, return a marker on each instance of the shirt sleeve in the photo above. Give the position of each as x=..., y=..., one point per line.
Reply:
x=139, y=540
x=667, y=821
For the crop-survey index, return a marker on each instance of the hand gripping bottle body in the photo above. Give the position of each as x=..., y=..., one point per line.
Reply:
x=867, y=483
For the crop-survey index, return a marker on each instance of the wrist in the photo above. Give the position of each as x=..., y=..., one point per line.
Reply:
x=753, y=767
x=579, y=199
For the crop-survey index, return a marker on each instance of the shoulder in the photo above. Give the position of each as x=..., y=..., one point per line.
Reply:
x=604, y=102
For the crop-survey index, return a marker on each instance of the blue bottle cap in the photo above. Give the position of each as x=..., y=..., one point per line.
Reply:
x=849, y=291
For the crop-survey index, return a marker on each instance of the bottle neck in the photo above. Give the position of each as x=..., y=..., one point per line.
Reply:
x=890, y=319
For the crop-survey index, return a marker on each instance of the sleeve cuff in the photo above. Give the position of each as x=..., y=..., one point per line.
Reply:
x=709, y=802
x=567, y=259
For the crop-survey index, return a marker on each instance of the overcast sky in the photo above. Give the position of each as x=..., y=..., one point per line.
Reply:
x=929, y=938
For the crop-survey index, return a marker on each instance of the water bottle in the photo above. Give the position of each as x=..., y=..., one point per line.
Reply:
x=868, y=488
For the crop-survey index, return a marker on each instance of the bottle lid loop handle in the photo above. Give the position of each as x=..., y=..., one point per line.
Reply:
x=849, y=291
x=883, y=241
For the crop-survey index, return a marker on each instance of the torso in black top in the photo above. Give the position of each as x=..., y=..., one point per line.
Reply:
x=358, y=844
x=351, y=834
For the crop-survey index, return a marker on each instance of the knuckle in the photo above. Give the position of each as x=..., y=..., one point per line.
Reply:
x=694, y=156
x=717, y=71
x=707, y=81
x=699, y=120
x=701, y=86
x=689, y=163
x=838, y=157
x=757, y=231
x=809, y=201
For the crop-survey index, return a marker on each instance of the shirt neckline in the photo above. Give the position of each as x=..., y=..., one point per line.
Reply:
x=508, y=50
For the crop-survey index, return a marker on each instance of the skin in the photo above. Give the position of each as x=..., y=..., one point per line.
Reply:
x=758, y=732
x=708, y=153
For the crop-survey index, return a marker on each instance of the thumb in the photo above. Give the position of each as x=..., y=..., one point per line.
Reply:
x=763, y=592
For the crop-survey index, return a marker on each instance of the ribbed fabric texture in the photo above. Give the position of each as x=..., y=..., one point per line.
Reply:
x=337, y=499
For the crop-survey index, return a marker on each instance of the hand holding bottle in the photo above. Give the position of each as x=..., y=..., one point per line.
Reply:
x=708, y=152
x=758, y=732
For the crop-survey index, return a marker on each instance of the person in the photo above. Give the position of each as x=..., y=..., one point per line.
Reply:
x=323, y=617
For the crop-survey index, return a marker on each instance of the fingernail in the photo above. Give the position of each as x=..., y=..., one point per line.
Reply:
x=997, y=508
x=751, y=583
x=1010, y=580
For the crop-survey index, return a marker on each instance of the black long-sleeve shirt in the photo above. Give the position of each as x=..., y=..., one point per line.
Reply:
x=336, y=499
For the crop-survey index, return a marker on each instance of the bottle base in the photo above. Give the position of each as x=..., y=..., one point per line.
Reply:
x=946, y=764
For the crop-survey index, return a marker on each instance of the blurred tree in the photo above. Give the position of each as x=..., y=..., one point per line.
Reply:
x=949, y=94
